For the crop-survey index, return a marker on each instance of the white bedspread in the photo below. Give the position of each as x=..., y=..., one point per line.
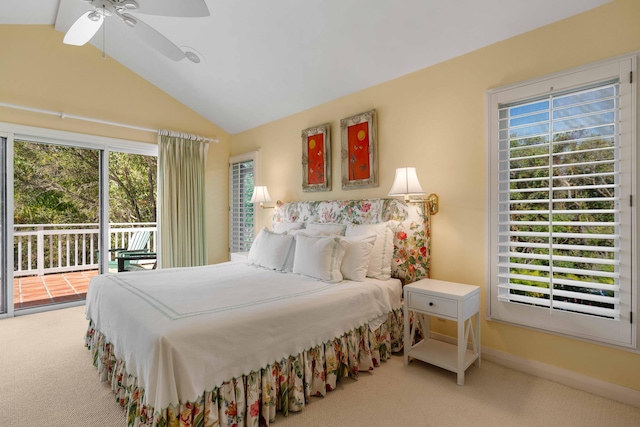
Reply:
x=183, y=331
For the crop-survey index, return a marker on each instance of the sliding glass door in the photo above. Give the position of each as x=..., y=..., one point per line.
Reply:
x=5, y=300
x=132, y=212
x=56, y=222
x=67, y=202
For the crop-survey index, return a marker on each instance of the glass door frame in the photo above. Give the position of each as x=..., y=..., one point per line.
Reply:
x=49, y=136
x=6, y=276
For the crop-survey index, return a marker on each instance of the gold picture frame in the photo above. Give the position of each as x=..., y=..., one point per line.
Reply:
x=316, y=158
x=359, y=151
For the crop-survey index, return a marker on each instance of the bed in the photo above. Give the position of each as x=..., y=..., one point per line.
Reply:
x=233, y=343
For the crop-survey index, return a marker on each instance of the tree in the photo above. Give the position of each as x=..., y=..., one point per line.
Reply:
x=56, y=184
x=583, y=182
x=132, y=187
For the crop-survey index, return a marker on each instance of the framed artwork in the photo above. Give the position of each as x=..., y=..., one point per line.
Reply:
x=316, y=158
x=359, y=151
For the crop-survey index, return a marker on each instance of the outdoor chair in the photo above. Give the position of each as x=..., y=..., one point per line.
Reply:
x=130, y=261
x=131, y=257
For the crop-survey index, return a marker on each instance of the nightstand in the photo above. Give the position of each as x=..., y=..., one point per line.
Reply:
x=446, y=300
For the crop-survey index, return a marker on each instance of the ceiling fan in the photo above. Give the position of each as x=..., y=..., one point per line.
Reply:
x=89, y=23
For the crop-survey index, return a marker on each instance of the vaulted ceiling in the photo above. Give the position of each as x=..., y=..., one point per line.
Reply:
x=264, y=60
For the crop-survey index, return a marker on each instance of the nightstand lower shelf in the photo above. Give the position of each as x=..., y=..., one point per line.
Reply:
x=441, y=354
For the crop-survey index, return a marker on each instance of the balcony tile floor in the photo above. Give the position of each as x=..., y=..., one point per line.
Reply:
x=34, y=291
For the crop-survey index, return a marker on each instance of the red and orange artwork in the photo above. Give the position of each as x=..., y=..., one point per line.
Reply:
x=315, y=166
x=358, y=151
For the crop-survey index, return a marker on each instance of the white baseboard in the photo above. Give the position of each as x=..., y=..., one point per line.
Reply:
x=572, y=379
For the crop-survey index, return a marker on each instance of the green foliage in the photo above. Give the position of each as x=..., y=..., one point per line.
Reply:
x=581, y=165
x=54, y=184
x=247, y=186
x=132, y=187
x=57, y=184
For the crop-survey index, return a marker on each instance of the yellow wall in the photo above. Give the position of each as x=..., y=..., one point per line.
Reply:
x=434, y=119
x=37, y=70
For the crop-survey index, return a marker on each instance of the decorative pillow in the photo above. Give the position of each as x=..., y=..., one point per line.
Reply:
x=308, y=232
x=272, y=250
x=382, y=252
x=356, y=257
x=319, y=257
x=283, y=227
x=330, y=229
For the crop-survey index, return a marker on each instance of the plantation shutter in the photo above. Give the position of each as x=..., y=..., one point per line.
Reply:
x=241, y=210
x=558, y=242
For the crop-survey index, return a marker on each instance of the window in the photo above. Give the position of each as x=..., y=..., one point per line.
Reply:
x=560, y=182
x=241, y=218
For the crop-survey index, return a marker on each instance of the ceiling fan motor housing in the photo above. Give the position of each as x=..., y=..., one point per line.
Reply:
x=113, y=7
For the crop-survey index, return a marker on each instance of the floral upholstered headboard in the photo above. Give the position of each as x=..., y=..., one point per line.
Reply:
x=412, y=241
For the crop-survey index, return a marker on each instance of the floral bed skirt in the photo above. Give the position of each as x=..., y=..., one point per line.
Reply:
x=252, y=400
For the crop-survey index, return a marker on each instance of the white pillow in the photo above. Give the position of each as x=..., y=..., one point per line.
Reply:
x=308, y=232
x=319, y=257
x=356, y=257
x=330, y=229
x=272, y=250
x=283, y=227
x=382, y=253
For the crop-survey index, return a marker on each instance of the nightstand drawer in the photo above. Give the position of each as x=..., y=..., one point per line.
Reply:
x=433, y=305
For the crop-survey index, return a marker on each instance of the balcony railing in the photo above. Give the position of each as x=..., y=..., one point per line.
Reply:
x=41, y=249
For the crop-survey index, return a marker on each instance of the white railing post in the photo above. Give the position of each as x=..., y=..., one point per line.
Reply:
x=29, y=250
x=19, y=253
x=40, y=251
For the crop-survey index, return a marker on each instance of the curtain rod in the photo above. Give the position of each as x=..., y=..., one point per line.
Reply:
x=86, y=119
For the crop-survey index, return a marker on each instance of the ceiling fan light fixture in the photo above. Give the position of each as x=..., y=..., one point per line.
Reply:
x=129, y=4
x=94, y=16
x=128, y=19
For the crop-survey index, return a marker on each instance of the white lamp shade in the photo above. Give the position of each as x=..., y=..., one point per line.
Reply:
x=406, y=183
x=260, y=195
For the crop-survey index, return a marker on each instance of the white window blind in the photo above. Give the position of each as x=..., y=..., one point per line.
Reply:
x=559, y=202
x=241, y=210
x=560, y=225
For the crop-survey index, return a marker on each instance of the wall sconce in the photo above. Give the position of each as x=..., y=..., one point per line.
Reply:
x=261, y=195
x=406, y=184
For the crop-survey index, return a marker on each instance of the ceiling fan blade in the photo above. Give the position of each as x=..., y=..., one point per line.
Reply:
x=157, y=40
x=182, y=8
x=83, y=29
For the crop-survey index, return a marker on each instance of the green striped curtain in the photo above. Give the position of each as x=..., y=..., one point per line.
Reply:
x=181, y=200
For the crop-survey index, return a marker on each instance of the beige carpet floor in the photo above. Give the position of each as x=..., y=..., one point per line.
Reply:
x=47, y=379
